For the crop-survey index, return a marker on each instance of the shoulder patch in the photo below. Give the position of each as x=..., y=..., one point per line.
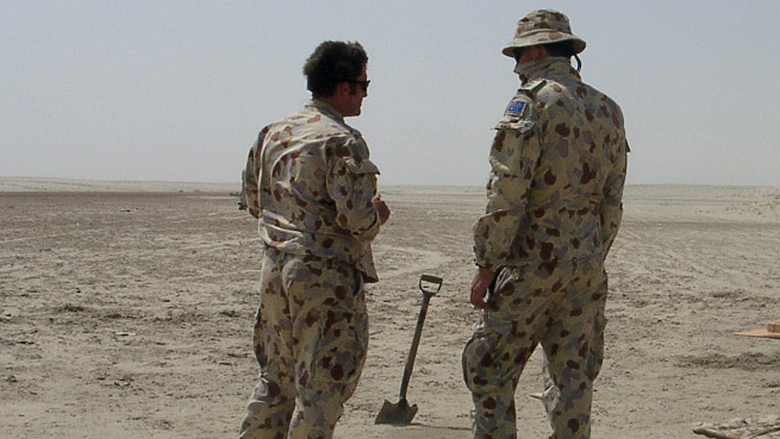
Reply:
x=515, y=107
x=519, y=114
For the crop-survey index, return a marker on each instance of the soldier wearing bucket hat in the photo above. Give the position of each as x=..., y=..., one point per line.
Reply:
x=558, y=167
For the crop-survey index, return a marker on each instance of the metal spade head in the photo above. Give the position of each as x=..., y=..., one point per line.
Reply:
x=400, y=413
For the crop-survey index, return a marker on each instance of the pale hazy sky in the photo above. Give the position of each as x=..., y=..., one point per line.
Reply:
x=177, y=90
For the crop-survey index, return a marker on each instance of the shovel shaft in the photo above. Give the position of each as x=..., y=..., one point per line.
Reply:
x=415, y=342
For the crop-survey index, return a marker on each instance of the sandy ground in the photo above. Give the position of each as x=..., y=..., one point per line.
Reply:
x=126, y=312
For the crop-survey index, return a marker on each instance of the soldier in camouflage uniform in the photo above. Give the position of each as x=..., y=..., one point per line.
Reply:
x=310, y=183
x=558, y=166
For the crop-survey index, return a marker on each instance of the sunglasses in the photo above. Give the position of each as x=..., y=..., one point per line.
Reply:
x=362, y=84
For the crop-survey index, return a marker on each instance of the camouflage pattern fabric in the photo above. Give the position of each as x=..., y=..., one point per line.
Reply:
x=543, y=26
x=558, y=166
x=309, y=181
x=562, y=309
x=311, y=338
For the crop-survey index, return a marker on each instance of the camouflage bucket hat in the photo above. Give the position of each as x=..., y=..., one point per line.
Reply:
x=543, y=26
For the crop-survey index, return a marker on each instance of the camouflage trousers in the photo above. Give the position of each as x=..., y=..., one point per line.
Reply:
x=311, y=338
x=558, y=305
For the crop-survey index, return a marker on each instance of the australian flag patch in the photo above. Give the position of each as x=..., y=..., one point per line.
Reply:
x=515, y=107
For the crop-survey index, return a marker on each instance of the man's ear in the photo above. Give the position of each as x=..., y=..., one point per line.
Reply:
x=540, y=51
x=342, y=88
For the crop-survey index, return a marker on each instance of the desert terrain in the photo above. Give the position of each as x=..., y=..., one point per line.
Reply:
x=126, y=311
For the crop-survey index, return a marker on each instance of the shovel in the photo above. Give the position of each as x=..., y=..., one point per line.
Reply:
x=402, y=413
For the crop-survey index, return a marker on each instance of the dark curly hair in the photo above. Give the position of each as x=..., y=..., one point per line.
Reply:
x=333, y=62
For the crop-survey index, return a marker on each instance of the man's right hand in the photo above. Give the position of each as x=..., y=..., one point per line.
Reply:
x=381, y=208
x=479, y=287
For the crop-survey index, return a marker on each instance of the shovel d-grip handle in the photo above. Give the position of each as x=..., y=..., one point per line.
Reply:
x=427, y=281
x=427, y=294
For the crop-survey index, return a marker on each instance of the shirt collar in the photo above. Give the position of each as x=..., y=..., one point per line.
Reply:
x=552, y=67
x=326, y=109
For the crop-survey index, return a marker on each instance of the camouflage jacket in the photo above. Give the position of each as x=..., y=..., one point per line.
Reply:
x=558, y=166
x=309, y=181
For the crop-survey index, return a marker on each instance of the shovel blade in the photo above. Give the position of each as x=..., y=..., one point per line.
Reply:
x=396, y=414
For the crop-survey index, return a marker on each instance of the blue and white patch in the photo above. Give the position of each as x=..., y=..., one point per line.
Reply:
x=515, y=108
